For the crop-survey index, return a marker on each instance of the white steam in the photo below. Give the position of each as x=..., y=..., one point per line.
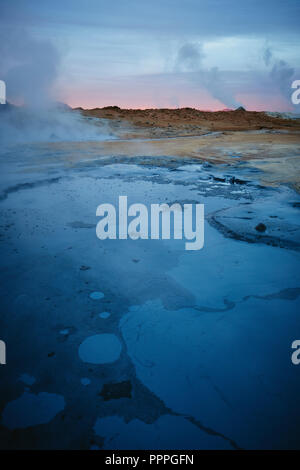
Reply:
x=189, y=59
x=48, y=124
x=29, y=68
x=280, y=72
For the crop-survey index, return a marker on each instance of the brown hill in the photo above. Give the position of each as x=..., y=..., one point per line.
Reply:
x=190, y=119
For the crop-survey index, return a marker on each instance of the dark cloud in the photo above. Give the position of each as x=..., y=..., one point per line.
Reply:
x=204, y=18
x=267, y=56
x=189, y=58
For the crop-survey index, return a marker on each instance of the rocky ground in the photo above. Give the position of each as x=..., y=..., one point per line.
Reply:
x=269, y=143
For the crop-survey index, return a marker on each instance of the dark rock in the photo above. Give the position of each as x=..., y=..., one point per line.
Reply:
x=216, y=178
x=114, y=391
x=116, y=108
x=261, y=227
x=234, y=180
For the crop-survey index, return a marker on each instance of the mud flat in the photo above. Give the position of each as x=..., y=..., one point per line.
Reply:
x=266, y=142
x=140, y=343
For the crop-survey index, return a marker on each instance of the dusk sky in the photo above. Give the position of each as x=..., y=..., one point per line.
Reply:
x=208, y=54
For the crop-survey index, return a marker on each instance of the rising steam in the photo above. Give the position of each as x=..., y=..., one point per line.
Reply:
x=29, y=68
x=280, y=72
x=189, y=59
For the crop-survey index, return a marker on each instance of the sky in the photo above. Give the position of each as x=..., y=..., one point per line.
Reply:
x=206, y=54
